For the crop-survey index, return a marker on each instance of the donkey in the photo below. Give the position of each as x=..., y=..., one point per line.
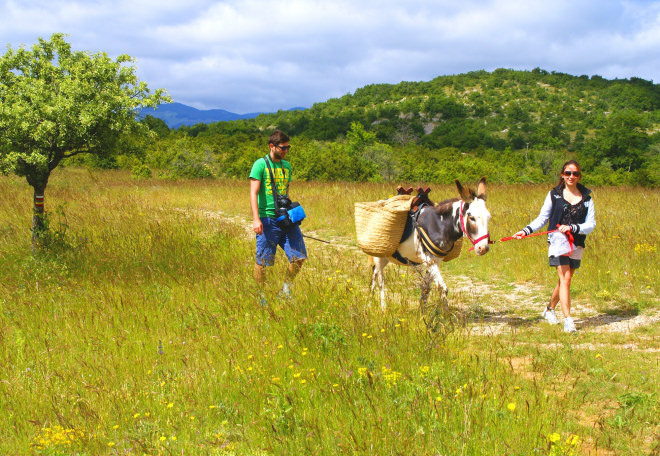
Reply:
x=432, y=232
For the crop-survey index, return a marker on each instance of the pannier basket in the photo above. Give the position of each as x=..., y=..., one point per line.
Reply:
x=379, y=225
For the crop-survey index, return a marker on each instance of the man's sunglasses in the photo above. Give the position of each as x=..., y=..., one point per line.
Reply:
x=285, y=148
x=572, y=173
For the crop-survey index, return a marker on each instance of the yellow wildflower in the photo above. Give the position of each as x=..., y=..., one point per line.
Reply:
x=573, y=440
x=554, y=437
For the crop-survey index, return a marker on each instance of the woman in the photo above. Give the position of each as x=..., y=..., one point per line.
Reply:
x=570, y=208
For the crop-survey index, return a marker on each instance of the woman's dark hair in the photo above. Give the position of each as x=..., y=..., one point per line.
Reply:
x=570, y=162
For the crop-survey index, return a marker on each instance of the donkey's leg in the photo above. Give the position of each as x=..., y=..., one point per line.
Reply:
x=378, y=276
x=374, y=273
x=434, y=271
x=426, y=283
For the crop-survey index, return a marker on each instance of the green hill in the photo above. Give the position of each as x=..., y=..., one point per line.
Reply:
x=503, y=116
x=501, y=109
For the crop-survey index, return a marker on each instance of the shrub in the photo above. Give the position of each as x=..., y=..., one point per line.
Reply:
x=141, y=172
x=190, y=165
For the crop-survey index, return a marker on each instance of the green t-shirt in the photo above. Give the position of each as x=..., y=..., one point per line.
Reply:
x=282, y=175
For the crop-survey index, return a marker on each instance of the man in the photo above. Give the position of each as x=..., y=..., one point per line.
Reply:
x=262, y=202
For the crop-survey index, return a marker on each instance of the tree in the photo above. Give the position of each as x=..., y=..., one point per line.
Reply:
x=56, y=103
x=622, y=142
x=359, y=138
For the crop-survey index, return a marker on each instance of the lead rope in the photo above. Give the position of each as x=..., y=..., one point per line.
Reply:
x=569, y=235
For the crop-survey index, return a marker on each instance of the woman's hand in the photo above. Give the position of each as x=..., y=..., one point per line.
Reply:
x=564, y=229
x=519, y=235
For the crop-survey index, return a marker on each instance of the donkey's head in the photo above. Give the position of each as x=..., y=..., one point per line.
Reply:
x=475, y=216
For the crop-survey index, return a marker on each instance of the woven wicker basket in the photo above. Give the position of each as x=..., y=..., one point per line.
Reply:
x=379, y=225
x=455, y=252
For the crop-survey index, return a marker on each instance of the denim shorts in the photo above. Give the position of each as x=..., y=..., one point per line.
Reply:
x=290, y=240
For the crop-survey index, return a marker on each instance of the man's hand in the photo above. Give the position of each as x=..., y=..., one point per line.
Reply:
x=257, y=226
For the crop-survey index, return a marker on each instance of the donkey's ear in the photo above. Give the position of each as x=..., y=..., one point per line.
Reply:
x=465, y=193
x=481, y=189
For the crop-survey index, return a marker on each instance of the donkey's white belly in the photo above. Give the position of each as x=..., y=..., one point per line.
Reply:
x=411, y=249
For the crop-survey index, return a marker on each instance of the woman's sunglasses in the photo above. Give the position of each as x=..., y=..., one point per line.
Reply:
x=572, y=173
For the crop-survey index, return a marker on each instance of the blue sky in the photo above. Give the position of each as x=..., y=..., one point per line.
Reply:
x=256, y=55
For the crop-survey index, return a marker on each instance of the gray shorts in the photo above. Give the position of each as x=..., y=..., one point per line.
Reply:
x=572, y=260
x=564, y=260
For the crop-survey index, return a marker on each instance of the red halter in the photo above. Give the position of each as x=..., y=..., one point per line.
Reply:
x=463, y=227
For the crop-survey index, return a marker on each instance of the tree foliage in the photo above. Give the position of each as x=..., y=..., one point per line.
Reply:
x=57, y=103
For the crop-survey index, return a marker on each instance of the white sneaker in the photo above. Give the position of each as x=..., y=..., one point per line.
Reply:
x=550, y=316
x=569, y=326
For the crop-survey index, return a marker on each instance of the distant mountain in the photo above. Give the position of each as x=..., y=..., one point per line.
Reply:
x=177, y=114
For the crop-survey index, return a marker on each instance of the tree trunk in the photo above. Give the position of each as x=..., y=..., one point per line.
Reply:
x=39, y=225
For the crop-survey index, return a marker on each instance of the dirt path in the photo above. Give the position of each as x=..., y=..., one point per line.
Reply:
x=521, y=305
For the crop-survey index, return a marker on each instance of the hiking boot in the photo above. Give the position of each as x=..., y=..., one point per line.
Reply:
x=569, y=326
x=550, y=316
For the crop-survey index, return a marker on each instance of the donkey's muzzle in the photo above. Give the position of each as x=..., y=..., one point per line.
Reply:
x=481, y=249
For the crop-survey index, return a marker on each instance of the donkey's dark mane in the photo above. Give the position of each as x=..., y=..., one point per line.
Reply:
x=445, y=207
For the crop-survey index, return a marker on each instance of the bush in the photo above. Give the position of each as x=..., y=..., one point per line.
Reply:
x=141, y=172
x=190, y=165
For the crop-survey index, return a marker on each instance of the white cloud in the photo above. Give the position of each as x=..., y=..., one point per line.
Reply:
x=257, y=55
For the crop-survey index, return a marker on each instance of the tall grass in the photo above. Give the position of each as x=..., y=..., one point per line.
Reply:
x=140, y=332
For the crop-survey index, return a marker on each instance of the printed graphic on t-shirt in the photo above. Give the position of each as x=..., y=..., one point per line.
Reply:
x=281, y=176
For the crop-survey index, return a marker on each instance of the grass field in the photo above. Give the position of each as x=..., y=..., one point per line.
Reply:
x=139, y=331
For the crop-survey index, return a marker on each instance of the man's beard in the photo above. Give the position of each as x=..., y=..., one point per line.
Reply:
x=277, y=155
